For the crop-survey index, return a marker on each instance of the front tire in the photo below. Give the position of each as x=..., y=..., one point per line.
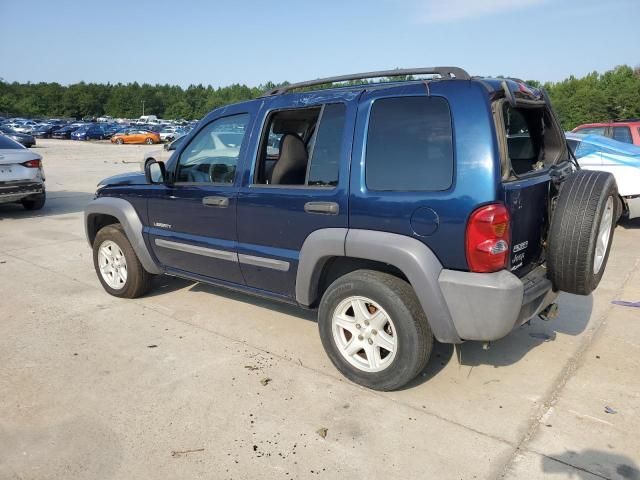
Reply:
x=117, y=266
x=149, y=141
x=374, y=330
x=119, y=141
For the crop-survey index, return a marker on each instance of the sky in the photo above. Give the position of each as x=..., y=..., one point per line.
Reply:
x=251, y=42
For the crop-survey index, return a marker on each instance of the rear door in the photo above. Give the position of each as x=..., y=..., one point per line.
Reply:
x=275, y=219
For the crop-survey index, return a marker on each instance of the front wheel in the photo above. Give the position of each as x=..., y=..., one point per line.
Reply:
x=117, y=265
x=374, y=330
x=119, y=141
x=149, y=141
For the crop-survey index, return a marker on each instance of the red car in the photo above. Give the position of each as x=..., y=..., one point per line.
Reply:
x=627, y=131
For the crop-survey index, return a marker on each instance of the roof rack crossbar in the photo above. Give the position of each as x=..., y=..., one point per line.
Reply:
x=445, y=72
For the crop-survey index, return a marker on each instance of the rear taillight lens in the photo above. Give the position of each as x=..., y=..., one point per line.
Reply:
x=487, y=239
x=37, y=163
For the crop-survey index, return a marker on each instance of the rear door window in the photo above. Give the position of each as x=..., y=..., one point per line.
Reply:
x=622, y=134
x=409, y=145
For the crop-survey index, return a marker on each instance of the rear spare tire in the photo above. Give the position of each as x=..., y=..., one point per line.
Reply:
x=582, y=231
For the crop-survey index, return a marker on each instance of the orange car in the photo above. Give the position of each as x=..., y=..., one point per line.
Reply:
x=135, y=135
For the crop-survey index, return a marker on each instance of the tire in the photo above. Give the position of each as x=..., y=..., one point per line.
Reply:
x=149, y=141
x=407, y=329
x=138, y=280
x=586, y=213
x=119, y=141
x=35, y=202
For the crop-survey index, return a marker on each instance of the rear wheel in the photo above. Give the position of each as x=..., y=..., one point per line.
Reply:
x=34, y=202
x=374, y=330
x=117, y=265
x=582, y=230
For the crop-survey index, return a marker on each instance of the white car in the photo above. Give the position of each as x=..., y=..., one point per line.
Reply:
x=595, y=152
x=21, y=175
x=162, y=154
x=167, y=134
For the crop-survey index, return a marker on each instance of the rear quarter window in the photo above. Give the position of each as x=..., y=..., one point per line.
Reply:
x=8, y=144
x=409, y=145
x=622, y=134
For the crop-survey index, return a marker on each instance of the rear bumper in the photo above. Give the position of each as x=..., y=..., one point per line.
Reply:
x=14, y=191
x=487, y=306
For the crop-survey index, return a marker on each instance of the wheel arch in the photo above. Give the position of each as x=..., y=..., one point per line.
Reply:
x=105, y=211
x=329, y=252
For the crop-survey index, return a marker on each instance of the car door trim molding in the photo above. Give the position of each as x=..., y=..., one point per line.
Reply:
x=197, y=250
x=271, y=263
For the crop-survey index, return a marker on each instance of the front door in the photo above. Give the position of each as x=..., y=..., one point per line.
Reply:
x=192, y=219
x=299, y=184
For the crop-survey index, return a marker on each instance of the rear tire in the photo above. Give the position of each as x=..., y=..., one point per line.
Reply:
x=389, y=314
x=137, y=280
x=35, y=202
x=581, y=231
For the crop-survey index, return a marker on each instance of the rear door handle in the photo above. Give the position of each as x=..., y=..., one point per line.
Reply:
x=325, y=208
x=219, y=202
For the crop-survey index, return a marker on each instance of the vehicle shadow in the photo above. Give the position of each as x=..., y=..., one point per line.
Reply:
x=58, y=203
x=627, y=224
x=574, y=314
x=590, y=464
x=169, y=284
x=573, y=318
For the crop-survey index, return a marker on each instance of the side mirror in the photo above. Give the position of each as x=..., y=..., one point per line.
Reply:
x=154, y=172
x=166, y=146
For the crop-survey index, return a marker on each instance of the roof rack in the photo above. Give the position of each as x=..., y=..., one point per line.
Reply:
x=626, y=120
x=445, y=72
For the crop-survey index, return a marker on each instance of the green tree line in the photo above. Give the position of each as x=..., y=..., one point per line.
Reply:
x=614, y=94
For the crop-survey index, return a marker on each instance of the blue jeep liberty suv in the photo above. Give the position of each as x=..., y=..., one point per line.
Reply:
x=446, y=207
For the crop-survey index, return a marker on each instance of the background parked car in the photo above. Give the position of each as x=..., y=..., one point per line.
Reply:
x=134, y=135
x=44, y=130
x=64, y=132
x=595, y=152
x=21, y=175
x=626, y=131
x=88, y=132
x=22, y=138
x=163, y=154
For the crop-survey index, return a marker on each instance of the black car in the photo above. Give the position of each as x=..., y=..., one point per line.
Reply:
x=22, y=138
x=64, y=132
x=44, y=131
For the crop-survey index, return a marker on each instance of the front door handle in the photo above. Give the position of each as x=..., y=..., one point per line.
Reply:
x=325, y=208
x=219, y=202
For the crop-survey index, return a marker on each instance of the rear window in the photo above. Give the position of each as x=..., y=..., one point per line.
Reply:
x=409, y=145
x=533, y=143
x=592, y=130
x=622, y=134
x=8, y=144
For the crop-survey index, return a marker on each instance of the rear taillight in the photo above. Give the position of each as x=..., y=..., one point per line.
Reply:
x=487, y=239
x=37, y=163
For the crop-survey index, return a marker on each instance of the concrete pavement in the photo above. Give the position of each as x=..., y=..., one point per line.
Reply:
x=171, y=385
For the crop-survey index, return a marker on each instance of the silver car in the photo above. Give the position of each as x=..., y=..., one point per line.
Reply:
x=21, y=175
